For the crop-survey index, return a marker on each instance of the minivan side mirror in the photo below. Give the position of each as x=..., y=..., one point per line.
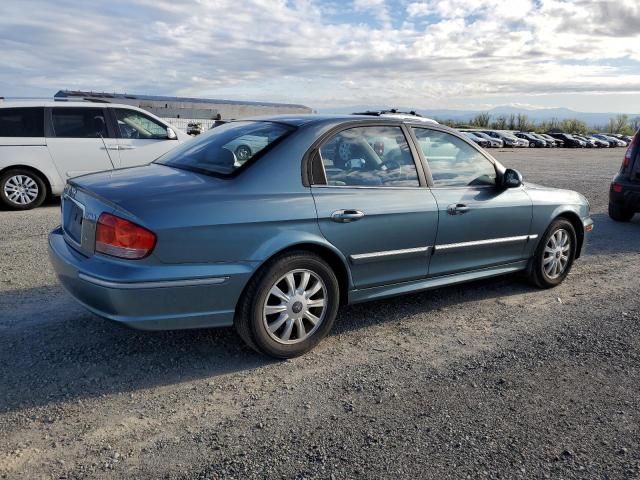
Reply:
x=171, y=135
x=511, y=178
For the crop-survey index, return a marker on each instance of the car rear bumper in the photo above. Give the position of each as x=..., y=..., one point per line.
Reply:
x=168, y=298
x=628, y=198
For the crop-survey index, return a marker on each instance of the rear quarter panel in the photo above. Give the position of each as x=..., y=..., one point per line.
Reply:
x=30, y=152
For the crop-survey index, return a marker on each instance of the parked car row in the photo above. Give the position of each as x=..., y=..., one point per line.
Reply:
x=507, y=138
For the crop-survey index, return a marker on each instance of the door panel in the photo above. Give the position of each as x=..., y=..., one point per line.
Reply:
x=392, y=242
x=480, y=224
x=492, y=228
x=75, y=144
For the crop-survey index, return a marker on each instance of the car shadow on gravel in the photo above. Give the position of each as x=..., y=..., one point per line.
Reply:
x=610, y=237
x=67, y=354
x=52, y=350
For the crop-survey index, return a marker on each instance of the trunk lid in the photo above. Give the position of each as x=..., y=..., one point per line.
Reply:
x=146, y=195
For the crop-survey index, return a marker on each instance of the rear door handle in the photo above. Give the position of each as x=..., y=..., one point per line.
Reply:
x=127, y=147
x=457, y=209
x=346, y=216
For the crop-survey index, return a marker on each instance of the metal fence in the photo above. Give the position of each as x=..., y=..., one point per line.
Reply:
x=182, y=123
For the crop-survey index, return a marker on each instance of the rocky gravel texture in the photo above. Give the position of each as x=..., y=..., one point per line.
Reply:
x=493, y=379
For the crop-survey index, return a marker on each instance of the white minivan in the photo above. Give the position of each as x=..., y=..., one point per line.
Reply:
x=45, y=143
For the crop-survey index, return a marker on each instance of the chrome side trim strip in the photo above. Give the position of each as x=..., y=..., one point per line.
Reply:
x=159, y=284
x=387, y=254
x=490, y=241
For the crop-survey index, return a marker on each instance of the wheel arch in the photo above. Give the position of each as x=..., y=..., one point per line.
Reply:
x=325, y=251
x=576, y=221
x=39, y=173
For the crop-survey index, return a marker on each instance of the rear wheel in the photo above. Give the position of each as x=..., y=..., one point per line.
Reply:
x=289, y=305
x=554, y=256
x=620, y=214
x=22, y=189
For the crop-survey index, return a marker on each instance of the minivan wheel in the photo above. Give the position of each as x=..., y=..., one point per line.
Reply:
x=243, y=152
x=22, y=189
x=620, y=214
x=289, y=305
x=554, y=256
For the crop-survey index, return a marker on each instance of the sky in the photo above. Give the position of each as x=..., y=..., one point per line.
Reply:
x=457, y=54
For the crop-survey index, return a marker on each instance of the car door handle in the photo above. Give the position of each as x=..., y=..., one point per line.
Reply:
x=111, y=147
x=457, y=209
x=346, y=216
x=127, y=147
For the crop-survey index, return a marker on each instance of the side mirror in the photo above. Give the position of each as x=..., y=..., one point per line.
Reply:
x=511, y=178
x=171, y=135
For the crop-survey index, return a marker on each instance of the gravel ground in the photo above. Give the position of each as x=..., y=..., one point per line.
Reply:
x=491, y=379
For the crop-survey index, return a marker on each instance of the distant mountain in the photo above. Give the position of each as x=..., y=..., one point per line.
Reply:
x=534, y=114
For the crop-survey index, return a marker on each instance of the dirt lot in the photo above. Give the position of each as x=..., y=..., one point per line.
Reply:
x=492, y=379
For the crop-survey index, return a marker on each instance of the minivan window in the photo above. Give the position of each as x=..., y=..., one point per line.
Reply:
x=136, y=125
x=79, y=122
x=22, y=122
x=227, y=148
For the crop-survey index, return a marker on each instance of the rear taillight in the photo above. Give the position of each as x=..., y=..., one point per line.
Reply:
x=627, y=156
x=121, y=238
x=616, y=187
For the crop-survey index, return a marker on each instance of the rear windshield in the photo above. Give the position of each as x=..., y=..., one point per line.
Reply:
x=226, y=148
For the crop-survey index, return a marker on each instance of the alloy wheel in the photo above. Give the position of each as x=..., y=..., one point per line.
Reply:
x=21, y=189
x=295, y=306
x=556, y=254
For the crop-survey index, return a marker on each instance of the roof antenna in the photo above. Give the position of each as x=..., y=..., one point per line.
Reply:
x=98, y=123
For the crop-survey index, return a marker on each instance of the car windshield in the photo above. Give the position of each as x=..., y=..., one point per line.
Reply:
x=225, y=149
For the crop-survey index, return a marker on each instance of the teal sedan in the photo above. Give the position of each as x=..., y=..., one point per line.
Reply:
x=322, y=211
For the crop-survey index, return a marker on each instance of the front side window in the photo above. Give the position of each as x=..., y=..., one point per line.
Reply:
x=136, y=125
x=22, y=122
x=79, y=122
x=369, y=156
x=452, y=161
x=226, y=148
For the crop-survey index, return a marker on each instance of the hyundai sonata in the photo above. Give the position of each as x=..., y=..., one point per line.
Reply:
x=324, y=211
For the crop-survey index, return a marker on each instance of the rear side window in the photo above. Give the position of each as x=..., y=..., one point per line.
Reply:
x=79, y=122
x=375, y=156
x=22, y=122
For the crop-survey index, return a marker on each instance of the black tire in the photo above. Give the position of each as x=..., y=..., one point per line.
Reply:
x=10, y=175
x=536, y=271
x=249, y=321
x=243, y=153
x=620, y=214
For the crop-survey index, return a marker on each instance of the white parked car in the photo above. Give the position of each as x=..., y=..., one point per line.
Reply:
x=43, y=144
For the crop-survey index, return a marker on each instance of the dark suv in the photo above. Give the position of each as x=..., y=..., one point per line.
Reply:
x=624, y=194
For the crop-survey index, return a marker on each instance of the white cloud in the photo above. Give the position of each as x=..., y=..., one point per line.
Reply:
x=323, y=53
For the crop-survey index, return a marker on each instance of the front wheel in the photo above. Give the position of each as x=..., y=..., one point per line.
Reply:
x=554, y=256
x=620, y=214
x=22, y=189
x=289, y=305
